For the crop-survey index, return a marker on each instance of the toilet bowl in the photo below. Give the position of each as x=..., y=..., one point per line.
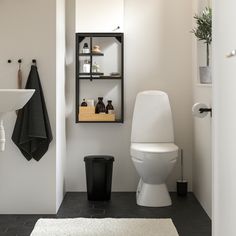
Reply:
x=152, y=149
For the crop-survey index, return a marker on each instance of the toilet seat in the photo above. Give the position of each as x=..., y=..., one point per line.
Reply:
x=142, y=150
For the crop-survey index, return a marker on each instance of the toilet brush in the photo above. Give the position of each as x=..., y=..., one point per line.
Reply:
x=182, y=185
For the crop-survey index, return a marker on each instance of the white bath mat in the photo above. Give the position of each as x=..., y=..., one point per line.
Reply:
x=104, y=227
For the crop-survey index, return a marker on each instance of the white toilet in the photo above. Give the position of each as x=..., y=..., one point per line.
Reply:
x=152, y=147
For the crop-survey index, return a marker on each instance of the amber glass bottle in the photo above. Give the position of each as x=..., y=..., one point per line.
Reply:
x=100, y=107
x=109, y=107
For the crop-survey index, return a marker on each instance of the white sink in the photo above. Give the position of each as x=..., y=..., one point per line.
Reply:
x=14, y=99
x=11, y=100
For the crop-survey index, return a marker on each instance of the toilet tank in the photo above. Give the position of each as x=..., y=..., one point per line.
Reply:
x=152, y=118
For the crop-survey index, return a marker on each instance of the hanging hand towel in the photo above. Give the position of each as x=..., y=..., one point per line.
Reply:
x=32, y=133
x=19, y=79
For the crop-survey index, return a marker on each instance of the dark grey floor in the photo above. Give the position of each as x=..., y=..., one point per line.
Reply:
x=186, y=213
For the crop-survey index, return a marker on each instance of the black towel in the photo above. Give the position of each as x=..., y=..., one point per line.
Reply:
x=32, y=133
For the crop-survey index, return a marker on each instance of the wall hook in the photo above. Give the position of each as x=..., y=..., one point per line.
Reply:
x=9, y=61
x=117, y=28
x=34, y=62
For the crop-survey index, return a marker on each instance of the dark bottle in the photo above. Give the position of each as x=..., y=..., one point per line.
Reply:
x=84, y=103
x=109, y=107
x=85, y=48
x=100, y=107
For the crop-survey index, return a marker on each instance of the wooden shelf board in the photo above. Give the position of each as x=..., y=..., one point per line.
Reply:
x=116, y=121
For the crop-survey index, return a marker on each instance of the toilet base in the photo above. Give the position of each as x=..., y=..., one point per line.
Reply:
x=151, y=195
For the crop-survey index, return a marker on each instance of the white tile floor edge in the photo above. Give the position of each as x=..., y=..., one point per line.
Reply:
x=104, y=227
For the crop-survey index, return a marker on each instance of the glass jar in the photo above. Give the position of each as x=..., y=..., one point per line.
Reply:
x=100, y=107
x=109, y=107
x=86, y=66
x=95, y=68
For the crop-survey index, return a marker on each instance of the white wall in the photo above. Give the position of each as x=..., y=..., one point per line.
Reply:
x=202, y=161
x=158, y=51
x=60, y=102
x=99, y=16
x=27, y=31
x=224, y=116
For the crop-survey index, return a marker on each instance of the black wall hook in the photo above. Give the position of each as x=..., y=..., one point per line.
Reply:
x=34, y=61
x=117, y=28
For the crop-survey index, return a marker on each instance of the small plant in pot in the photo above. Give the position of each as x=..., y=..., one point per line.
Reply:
x=203, y=32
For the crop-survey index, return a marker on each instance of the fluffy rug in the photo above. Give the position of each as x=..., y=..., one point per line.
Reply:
x=104, y=227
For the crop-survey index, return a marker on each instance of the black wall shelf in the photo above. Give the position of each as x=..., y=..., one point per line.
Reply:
x=102, y=78
x=90, y=54
x=80, y=75
x=90, y=74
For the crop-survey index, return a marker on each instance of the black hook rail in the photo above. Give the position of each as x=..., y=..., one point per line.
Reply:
x=34, y=61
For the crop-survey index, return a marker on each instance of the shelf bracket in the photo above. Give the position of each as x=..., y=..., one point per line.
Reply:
x=81, y=38
x=119, y=38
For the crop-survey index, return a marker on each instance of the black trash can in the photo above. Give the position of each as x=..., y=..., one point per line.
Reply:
x=99, y=177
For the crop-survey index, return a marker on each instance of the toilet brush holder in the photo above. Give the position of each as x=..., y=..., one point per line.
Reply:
x=182, y=185
x=182, y=188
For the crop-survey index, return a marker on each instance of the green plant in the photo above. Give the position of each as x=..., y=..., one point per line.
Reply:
x=203, y=30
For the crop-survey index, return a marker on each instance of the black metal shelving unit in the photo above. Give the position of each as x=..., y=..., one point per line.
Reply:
x=97, y=76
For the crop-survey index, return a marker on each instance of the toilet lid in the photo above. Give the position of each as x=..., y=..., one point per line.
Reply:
x=161, y=148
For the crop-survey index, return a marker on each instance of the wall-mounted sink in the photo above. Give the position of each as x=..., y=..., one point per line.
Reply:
x=14, y=99
x=11, y=100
